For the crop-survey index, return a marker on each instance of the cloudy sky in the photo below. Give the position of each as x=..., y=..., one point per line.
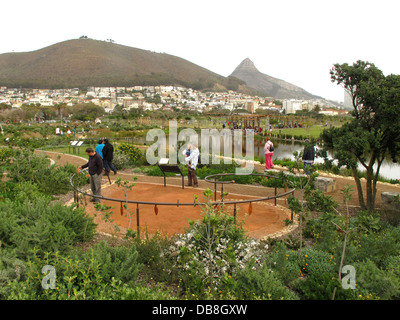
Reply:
x=296, y=41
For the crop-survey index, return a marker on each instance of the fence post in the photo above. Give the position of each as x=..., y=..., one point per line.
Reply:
x=215, y=189
x=291, y=215
x=137, y=220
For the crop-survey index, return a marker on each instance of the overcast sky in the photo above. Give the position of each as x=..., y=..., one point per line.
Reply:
x=294, y=40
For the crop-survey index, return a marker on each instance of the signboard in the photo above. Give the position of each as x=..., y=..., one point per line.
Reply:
x=163, y=161
x=73, y=143
x=80, y=143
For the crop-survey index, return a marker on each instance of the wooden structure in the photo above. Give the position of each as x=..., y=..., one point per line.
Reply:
x=245, y=121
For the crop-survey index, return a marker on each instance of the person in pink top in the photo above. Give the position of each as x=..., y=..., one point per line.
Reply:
x=269, y=152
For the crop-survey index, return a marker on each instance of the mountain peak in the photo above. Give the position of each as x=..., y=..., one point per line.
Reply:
x=246, y=65
x=267, y=85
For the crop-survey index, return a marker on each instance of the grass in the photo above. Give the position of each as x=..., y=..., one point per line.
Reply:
x=68, y=150
x=313, y=132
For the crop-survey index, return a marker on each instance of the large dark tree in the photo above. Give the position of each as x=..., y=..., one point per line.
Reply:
x=373, y=134
x=87, y=111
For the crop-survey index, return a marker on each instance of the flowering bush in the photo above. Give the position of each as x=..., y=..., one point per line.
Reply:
x=213, y=250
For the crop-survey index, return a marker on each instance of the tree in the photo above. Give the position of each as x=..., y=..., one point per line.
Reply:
x=88, y=111
x=373, y=133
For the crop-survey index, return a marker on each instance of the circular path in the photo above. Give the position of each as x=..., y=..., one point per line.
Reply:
x=265, y=221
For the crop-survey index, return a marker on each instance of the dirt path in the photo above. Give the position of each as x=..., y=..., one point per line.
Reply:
x=266, y=219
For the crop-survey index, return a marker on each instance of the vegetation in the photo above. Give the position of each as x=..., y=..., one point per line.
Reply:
x=373, y=133
x=49, y=250
x=212, y=259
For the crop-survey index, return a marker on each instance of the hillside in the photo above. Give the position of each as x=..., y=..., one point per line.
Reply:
x=87, y=62
x=268, y=85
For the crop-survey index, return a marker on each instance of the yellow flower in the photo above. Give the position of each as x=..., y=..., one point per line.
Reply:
x=306, y=256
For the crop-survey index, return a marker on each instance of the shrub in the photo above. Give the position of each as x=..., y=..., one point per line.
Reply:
x=39, y=224
x=136, y=156
x=261, y=283
x=320, y=286
x=75, y=279
x=121, y=161
x=50, y=179
x=383, y=283
x=156, y=264
x=210, y=249
x=11, y=269
x=283, y=262
x=119, y=262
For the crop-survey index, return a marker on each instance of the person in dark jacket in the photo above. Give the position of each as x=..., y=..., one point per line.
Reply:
x=308, y=156
x=95, y=168
x=108, y=155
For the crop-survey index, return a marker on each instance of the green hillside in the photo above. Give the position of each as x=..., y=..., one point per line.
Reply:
x=87, y=62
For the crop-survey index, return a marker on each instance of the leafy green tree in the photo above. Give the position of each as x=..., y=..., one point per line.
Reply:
x=373, y=132
x=85, y=112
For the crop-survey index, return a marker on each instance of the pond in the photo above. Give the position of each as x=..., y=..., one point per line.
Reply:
x=284, y=150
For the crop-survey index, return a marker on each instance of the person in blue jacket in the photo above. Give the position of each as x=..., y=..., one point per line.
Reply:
x=99, y=148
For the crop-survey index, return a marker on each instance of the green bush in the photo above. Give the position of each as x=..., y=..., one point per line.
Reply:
x=121, y=161
x=75, y=279
x=261, y=283
x=42, y=225
x=11, y=269
x=320, y=286
x=119, y=262
x=50, y=179
x=156, y=264
x=385, y=284
x=283, y=262
x=210, y=249
x=101, y=273
x=136, y=157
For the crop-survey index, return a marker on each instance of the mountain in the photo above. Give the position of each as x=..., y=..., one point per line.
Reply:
x=88, y=62
x=267, y=85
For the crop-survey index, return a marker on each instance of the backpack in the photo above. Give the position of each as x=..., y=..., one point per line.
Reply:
x=271, y=147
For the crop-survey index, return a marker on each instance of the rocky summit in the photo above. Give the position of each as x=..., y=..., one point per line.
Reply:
x=267, y=85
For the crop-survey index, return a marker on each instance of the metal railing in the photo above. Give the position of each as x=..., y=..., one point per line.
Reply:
x=194, y=203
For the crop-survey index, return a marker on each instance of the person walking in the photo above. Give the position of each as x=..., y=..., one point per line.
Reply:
x=99, y=148
x=308, y=156
x=95, y=168
x=269, y=152
x=192, y=159
x=108, y=155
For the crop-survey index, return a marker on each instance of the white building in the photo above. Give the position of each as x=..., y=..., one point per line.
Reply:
x=292, y=105
x=228, y=106
x=348, y=101
x=44, y=100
